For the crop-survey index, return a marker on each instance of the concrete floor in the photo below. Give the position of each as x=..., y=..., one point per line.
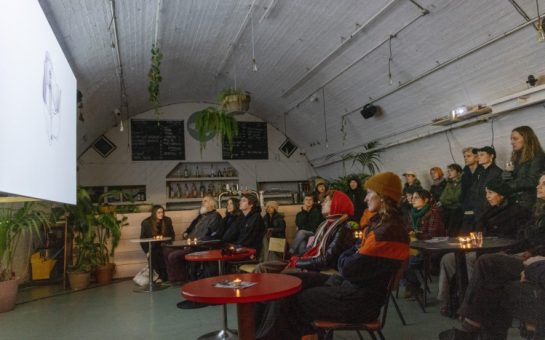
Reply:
x=116, y=312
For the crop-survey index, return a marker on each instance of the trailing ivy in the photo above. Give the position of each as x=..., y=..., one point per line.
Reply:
x=155, y=78
x=212, y=120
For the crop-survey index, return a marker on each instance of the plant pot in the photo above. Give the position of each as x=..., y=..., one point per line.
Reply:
x=8, y=295
x=79, y=280
x=105, y=273
x=237, y=103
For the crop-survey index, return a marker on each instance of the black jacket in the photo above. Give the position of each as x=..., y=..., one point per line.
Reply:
x=468, y=179
x=309, y=220
x=436, y=189
x=206, y=226
x=525, y=179
x=146, y=231
x=276, y=223
x=535, y=273
x=504, y=220
x=252, y=230
x=357, y=197
x=332, y=246
x=231, y=229
x=478, y=189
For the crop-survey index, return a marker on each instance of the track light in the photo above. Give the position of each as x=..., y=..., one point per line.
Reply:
x=369, y=111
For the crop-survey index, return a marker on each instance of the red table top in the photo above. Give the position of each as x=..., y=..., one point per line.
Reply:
x=268, y=287
x=215, y=255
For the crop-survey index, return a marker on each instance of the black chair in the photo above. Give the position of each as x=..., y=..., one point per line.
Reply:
x=326, y=328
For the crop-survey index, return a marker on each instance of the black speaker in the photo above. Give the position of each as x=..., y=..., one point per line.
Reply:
x=369, y=111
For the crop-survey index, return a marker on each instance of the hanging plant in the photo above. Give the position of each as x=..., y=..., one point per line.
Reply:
x=234, y=100
x=155, y=78
x=214, y=121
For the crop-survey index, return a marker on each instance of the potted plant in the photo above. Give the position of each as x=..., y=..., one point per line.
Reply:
x=214, y=121
x=14, y=224
x=154, y=76
x=234, y=100
x=92, y=230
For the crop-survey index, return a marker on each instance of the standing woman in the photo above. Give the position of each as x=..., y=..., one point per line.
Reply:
x=157, y=225
x=439, y=183
x=529, y=161
x=451, y=200
x=357, y=196
x=359, y=291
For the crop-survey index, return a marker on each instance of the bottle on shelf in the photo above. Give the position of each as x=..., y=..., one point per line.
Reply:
x=169, y=190
x=179, y=191
x=219, y=174
x=202, y=189
x=211, y=173
x=187, y=193
x=210, y=190
x=193, y=191
x=186, y=172
x=197, y=174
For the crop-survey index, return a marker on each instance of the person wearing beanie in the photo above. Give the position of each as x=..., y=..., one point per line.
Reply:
x=501, y=219
x=357, y=293
x=332, y=237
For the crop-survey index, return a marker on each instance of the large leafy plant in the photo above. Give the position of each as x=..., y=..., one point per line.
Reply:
x=14, y=224
x=369, y=159
x=214, y=121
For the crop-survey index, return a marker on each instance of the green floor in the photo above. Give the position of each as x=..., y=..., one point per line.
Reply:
x=116, y=312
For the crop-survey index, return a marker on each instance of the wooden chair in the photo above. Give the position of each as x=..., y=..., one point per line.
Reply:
x=326, y=328
x=276, y=245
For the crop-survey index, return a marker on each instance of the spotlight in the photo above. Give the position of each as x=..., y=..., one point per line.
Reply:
x=369, y=111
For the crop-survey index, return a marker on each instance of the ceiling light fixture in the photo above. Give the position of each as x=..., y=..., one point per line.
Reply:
x=254, y=64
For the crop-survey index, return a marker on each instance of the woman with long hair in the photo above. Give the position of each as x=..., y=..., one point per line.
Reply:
x=358, y=292
x=232, y=213
x=529, y=161
x=438, y=183
x=157, y=224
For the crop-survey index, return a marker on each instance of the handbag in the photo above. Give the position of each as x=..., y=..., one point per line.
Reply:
x=142, y=277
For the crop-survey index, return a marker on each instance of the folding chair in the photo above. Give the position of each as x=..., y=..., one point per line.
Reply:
x=276, y=245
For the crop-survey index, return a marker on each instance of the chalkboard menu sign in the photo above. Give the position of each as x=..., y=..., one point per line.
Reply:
x=154, y=140
x=251, y=142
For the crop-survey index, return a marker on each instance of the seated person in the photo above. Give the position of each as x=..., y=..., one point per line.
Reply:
x=426, y=222
x=274, y=221
x=207, y=225
x=357, y=195
x=497, y=276
x=157, y=225
x=232, y=213
x=307, y=220
x=333, y=237
x=502, y=219
x=359, y=292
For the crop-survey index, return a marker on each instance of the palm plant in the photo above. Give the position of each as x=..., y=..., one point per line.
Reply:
x=369, y=159
x=15, y=223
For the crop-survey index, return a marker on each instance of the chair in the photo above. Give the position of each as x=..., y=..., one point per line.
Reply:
x=326, y=328
x=276, y=245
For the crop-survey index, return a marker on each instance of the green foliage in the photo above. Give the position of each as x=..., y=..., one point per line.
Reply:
x=212, y=120
x=92, y=230
x=155, y=78
x=15, y=223
x=229, y=91
x=369, y=160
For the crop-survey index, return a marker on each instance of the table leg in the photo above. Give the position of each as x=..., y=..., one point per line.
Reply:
x=151, y=286
x=426, y=274
x=246, y=321
x=461, y=274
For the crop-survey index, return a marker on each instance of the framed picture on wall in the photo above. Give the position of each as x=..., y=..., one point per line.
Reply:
x=104, y=146
x=287, y=148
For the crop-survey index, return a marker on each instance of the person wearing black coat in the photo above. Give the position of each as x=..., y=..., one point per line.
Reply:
x=357, y=195
x=230, y=226
x=274, y=222
x=157, y=225
x=251, y=226
x=470, y=175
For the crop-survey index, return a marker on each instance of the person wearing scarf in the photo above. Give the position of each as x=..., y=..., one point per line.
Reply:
x=426, y=222
x=359, y=291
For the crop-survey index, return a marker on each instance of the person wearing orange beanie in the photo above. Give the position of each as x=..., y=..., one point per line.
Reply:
x=357, y=294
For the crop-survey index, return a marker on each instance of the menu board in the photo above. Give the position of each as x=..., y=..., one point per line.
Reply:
x=157, y=140
x=251, y=142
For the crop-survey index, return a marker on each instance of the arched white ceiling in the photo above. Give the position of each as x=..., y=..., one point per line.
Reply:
x=302, y=47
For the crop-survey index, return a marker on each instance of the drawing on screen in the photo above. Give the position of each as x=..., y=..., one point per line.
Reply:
x=51, y=93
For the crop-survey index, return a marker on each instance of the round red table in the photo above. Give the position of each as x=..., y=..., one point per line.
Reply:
x=267, y=287
x=219, y=255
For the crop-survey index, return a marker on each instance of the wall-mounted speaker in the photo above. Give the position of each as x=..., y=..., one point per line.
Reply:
x=369, y=111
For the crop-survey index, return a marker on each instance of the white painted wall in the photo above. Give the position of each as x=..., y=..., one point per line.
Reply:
x=422, y=154
x=119, y=169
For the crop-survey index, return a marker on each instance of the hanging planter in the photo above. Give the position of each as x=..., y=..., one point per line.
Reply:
x=234, y=101
x=216, y=122
x=155, y=78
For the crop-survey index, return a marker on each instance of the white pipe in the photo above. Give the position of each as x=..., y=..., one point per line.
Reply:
x=268, y=11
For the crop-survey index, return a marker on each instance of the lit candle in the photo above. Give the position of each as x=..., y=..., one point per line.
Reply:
x=189, y=241
x=195, y=241
x=237, y=282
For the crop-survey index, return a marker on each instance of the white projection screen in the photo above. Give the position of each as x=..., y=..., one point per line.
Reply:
x=38, y=107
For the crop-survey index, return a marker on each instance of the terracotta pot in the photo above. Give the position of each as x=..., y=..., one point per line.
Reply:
x=79, y=280
x=8, y=295
x=105, y=273
x=237, y=103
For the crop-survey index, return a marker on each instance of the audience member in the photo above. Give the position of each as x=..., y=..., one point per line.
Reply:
x=251, y=225
x=357, y=195
x=319, y=190
x=438, y=183
x=157, y=224
x=503, y=219
x=358, y=293
x=451, y=200
x=232, y=214
x=528, y=160
x=274, y=221
x=307, y=220
x=491, y=172
x=470, y=176
x=333, y=236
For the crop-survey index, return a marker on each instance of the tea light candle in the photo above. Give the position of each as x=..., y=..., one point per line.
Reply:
x=195, y=241
x=237, y=282
x=188, y=241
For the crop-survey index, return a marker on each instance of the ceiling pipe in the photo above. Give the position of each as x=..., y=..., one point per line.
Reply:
x=119, y=66
x=348, y=67
x=234, y=43
x=336, y=51
x=444, y=64
x=268, y=10
x=521, y=12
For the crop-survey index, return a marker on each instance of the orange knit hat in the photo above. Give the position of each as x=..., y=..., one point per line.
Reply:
x=385, y=184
